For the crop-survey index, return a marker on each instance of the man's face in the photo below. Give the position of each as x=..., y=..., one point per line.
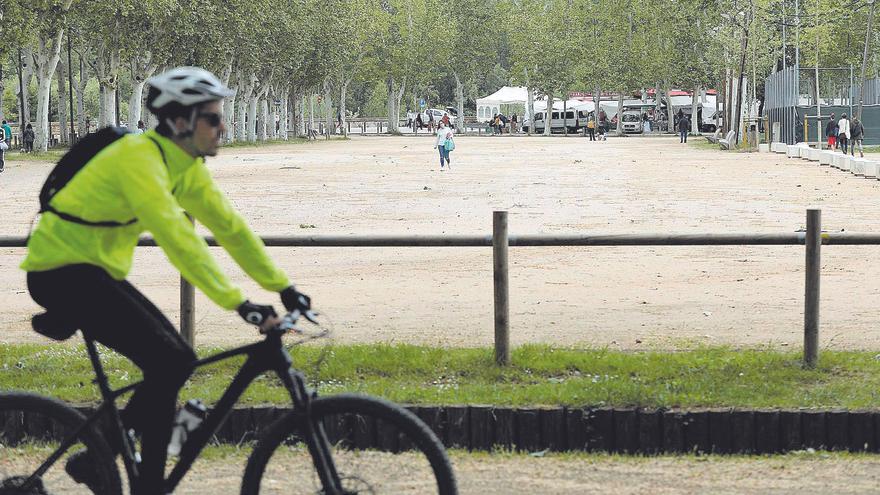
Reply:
x=206, y=136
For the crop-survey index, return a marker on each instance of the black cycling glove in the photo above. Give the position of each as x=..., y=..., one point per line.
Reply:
x=255, y=314
x=294, y=300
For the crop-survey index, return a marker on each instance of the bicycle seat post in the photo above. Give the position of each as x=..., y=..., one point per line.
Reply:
x=100, y=377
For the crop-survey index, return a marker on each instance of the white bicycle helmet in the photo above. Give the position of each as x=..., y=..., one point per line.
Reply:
x=186, y=86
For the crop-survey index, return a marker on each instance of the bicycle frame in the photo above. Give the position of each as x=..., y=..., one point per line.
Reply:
x=265, y=356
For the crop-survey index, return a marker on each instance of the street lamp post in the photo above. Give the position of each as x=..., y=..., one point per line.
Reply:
x=873, y=5
x=20, y=95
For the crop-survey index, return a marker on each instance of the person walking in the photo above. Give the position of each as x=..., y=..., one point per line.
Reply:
x=7, y=133
x=843, y=133
x=444, y=144
x=513, y=124
x=858, y=135
x=831, y=132
x=591, y=128
x=431, y=122
x=28, y=137
x=3, y=147
x=684, y=125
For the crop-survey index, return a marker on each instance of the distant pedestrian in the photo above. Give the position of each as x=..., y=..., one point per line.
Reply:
x=591, y=128
x=3, y=147
x=843, y=133
x=858, y=135
x=445, y=119
x=7, y=133
x=831, y=132
x=431, y=122
x=513, y=122
x=141, y=127
x=684, y=125
x=28, y=137
x=444, y=144
x=646, y=123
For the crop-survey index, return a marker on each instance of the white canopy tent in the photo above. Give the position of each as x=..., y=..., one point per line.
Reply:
x=508, y=95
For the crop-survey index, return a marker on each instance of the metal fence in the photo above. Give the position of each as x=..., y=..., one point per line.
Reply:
x=780, y=102
x=812, y=238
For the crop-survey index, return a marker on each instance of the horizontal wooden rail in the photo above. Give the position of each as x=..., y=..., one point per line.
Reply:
x=744, y=239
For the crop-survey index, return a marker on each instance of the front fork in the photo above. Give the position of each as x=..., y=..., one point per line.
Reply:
x=312, y=431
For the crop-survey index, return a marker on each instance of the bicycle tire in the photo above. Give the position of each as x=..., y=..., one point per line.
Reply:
x=26, y=420
x=332, y=409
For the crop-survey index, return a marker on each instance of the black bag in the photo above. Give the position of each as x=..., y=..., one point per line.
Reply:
x=72, y=162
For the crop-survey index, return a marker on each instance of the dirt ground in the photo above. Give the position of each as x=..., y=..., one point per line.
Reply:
x=620, y=297
x=550, y=475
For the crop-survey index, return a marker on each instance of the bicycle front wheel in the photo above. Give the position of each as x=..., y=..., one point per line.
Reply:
x=32, y=428
x=376, y=446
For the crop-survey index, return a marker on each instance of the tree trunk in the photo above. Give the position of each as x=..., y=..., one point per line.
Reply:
x=389, y=104
x=695, y=116
x=246, y=84
x=530, y=101
x=284, y=116
x=328, y=107
x=46, y=60
x=459, y=98
x=253, y=103
x=141, y=70
x=265, y=132
x=620, y=114
x=229, y=114
x=343, y=89
x=228, y=107
x=64, y=131
x=80, y=89
x=548, y=115
x=397, y=100
x=107, y=105
x=27, y=75
x=670, y=113
x=311, y=112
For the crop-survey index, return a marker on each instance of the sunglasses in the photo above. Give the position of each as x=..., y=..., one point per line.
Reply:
x=212, y=119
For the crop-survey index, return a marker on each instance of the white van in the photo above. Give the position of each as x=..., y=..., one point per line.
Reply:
x=559, y=121
x=632, y=122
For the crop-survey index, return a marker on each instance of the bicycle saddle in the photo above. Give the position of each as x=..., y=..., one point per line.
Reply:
x=52, y=326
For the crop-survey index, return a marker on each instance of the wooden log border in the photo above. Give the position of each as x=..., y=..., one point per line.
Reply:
x=589, y=429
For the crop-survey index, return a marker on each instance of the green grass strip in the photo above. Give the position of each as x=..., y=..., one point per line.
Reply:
x=538, y=376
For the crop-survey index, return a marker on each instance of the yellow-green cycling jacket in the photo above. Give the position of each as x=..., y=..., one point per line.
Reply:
x=129, y=179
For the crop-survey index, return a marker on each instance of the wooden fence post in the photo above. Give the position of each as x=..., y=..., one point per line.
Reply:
x=502, y=292
x=813, y=243
x=188, y=310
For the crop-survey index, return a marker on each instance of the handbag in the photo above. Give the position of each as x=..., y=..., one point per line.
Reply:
x=450, y=145
x=3, y=146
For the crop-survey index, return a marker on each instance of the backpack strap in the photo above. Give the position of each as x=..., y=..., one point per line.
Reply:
x=108, y=223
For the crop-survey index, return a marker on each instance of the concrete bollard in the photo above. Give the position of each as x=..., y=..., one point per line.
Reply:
x=826, y=157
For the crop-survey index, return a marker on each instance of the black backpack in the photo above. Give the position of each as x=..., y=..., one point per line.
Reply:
x=72, y=162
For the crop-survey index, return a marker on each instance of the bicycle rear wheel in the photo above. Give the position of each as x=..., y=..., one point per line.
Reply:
x=31, y=429
x=376, y=446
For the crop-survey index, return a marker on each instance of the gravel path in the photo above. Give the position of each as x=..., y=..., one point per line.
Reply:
x=627, y=297
x=520, y=474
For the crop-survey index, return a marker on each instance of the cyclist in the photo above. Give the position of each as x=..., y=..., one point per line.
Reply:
x=146, y=182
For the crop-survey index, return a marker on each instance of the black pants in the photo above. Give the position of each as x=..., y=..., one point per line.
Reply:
x=117, y=315
x=592, y=134
x=684, y=136
x=842, y=142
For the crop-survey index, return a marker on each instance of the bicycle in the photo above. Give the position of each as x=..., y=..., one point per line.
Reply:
x=337, y=432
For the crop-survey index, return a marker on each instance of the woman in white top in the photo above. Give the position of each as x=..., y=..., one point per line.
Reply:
x=843, y=132
x=444, y=134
